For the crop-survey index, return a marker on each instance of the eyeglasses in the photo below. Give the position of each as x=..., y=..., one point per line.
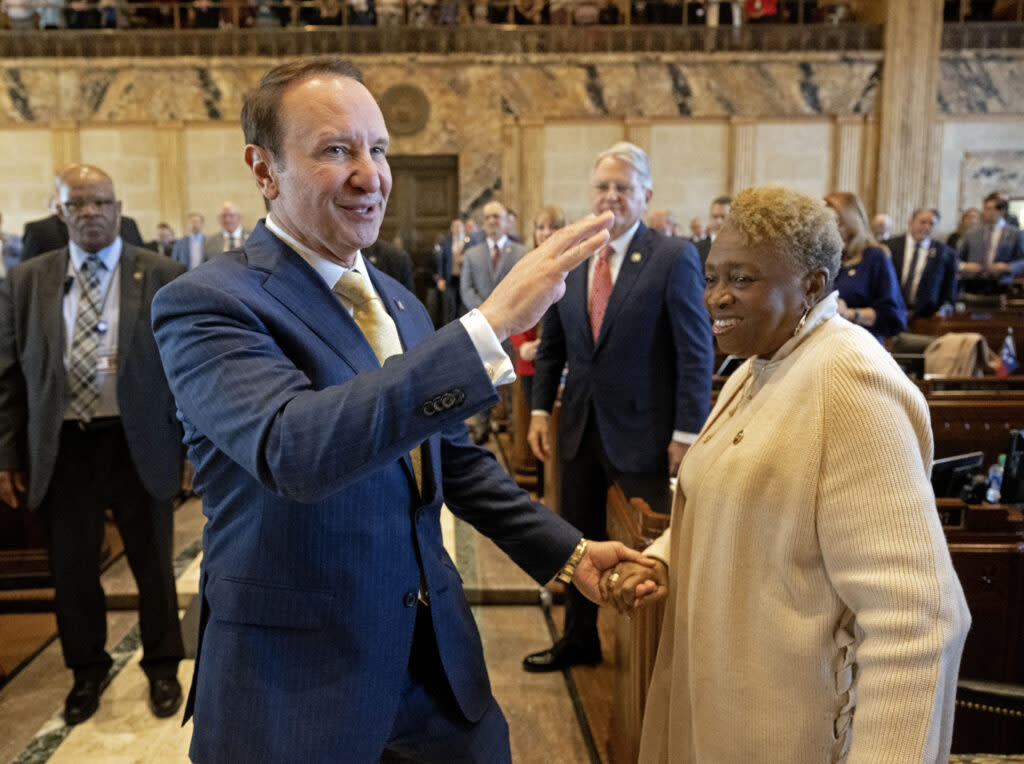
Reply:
x=77, y=205
x=620, y=188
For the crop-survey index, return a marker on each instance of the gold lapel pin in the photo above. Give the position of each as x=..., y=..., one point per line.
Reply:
x=138, y=275
x=636, y=257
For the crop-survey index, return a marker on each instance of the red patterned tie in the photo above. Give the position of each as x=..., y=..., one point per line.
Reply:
x=600, y=290
x=495, y=258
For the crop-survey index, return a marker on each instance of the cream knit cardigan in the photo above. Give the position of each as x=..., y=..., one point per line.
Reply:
x=814, y=614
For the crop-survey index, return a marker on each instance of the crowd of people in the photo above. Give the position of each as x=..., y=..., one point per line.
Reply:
x=812, y=604
x=213, y=14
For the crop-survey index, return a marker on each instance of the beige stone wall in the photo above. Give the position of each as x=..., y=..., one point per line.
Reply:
x=26, y=167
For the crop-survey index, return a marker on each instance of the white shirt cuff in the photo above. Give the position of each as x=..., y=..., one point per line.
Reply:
x=496, y=361
x=687, y=438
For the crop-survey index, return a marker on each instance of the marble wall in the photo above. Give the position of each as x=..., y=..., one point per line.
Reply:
x=167, y=128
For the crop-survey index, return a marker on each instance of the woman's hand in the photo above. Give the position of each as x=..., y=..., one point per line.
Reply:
x=630, y=585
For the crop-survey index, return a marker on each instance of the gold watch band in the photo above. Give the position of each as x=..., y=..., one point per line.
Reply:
x=569, y=569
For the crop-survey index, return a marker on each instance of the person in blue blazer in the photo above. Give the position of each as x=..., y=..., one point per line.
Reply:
x=188, y=250
x=333, y=624
x=976, y=247
x=926, y=268
x=639, y=382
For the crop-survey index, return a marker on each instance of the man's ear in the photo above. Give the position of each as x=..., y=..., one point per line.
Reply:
x=261, y=162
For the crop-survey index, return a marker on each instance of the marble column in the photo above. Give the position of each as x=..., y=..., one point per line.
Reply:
x=913, y=32
x=849, y=132
x=638, y=132
x=531, y=172
x=171, y=180
x=744, y=153
x=64, y=144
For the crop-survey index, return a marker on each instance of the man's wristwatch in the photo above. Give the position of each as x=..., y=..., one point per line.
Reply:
x=856, y=316
x=569, y=569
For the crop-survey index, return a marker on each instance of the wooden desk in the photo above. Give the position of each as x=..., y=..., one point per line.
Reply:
x=991, y=323
x=988, y=554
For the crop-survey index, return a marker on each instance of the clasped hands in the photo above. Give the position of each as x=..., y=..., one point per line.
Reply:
x=611, y=573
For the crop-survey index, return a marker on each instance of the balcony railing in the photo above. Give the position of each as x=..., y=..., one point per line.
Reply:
x=476, y=40
x=983, y=35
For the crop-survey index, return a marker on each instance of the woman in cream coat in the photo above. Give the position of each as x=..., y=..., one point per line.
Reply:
x=814, y=614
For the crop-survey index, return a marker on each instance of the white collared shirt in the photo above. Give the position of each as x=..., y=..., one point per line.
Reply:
x=110, y=299
x=496, y=362
x=913, y=279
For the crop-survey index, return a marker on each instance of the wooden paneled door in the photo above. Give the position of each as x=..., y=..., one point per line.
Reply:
x=424, y=200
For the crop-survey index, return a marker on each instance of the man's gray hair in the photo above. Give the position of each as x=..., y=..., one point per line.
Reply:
x=632, y=155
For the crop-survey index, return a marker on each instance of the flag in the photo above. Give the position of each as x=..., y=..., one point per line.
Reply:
x=1008, y=355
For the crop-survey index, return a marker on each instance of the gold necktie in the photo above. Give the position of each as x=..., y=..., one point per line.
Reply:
x=379, y=329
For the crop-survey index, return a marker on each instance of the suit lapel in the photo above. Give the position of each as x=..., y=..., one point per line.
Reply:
x=302, y=291
x=132, y=279
x=576, y=315
x=633, y=261
x=51, y=296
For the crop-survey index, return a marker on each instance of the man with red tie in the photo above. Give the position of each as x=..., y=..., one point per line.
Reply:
x=637, y=340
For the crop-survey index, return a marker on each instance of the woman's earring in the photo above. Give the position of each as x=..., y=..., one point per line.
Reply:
x=802, y=323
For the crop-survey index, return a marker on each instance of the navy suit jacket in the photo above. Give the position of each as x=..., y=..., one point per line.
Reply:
x=1010, y=249
x=938, y=280
x=649, y=372
x=182, y=252
x=33, y=381
x=317, y=534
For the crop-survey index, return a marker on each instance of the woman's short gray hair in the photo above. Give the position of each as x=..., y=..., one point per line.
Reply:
x=789, y=224
x=632, y=155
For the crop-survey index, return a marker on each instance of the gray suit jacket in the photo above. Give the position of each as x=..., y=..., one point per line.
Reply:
x=1009, y=250
x=214, y=245
x=478, y=278
x=33, y=381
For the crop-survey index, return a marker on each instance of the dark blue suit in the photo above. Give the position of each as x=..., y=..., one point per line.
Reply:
x=318, y=538
x=648, y=374
x=937, y=284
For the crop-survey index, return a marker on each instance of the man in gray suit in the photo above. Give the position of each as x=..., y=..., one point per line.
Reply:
x=486, y=264
x=87, y=423
x=231, y=234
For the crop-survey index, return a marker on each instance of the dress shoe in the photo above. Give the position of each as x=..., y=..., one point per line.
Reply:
x=561, y=656
x=164, y=697
x=82, y=701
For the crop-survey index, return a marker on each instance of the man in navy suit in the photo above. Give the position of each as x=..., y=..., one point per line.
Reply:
x=188, y=250
x=993, y=247
x=637, y=340
x=333, y=625
x=926, y=268
x=87, y=424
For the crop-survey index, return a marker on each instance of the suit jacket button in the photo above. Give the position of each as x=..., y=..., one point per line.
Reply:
x=459, y=396
x=409, y=599
x=448, y=400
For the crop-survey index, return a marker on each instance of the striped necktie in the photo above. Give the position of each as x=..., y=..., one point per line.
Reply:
x=83, y=382
x=600, y=290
